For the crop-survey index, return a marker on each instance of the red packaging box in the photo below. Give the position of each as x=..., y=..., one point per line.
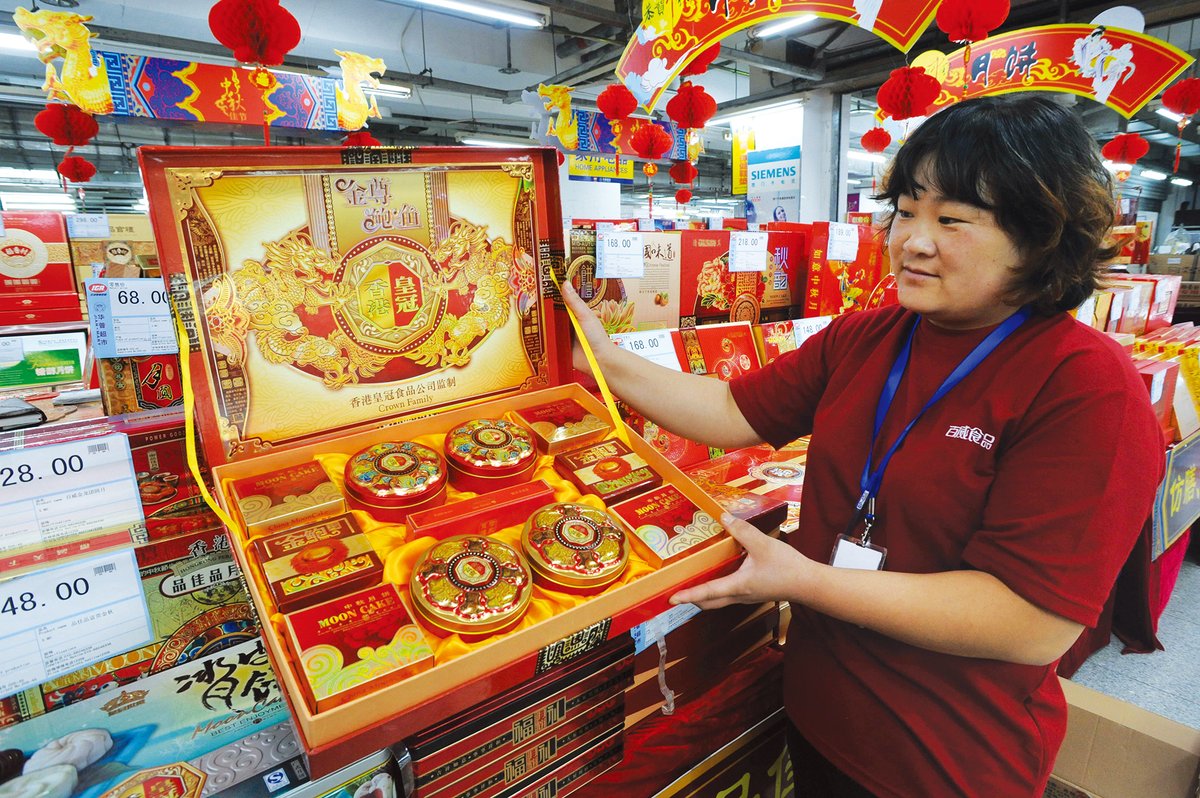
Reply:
x=484, y=514
x=285, y=498
x=133, y=384
x=665, y=525
x=316, y=562
x=1163, y=300
x=563, y=425
x=36, y=259
x=1136, y=313
x=609, y=470
x=724, y=351
x=348, y=647
x=836, y=287
x=1160, y=377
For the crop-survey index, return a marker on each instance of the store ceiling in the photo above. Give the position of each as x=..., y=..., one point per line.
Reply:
x=467, y=75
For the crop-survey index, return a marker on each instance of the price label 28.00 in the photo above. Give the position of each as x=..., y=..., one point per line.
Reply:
x=130, y=318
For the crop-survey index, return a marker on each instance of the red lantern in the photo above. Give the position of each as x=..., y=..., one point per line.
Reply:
x=66, y=124
x=971, y=20
x=692, y=106
x=683, y=196
x=1183, y=98
x=876, y=140
x=650, y=141
x=616, y=103
x=683, y=172
x=361, y=138
x=649, y=169
x=701, y=63
x=258, y=31
x=76, y=169
x=1125, y=148
x=908, y=93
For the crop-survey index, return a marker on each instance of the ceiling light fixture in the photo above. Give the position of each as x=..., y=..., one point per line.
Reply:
x=1174, y=117
x=1180, y=181
x=16, y=43
x=8, y=173
x=1118, y=167
x=744, y=114
x=786, y=25
x=395, y=90
x=487, y=11
x=483, y=142
x=1152, y=174
x=31, y=201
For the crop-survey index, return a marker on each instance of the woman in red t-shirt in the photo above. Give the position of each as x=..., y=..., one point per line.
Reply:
x=980, y=467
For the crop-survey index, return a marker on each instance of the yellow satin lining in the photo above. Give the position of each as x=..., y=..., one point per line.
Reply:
x=400, y=554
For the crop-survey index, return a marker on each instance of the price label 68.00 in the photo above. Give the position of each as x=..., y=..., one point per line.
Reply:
x=130, y=317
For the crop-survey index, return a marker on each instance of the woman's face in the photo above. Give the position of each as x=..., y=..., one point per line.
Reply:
x=953, y=263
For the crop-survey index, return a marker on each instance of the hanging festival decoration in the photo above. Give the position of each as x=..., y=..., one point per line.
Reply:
x=692, y=106
x=700, y=64
x=876, y=139
x=76, y=169
x=66, y=124
x=683, y=172
x=967, y=21
x=361, y=138
x=908, y=92
x=1125, y=150
x=650, y=142
x=616, y=103
x=683, y=196
x=1183, y=99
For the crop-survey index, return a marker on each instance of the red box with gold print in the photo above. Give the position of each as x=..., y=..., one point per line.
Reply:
x=397, y=294
x=36, y=276
x=837, y=286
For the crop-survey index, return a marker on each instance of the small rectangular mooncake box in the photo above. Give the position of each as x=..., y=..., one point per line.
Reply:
x=316, y=562
x=484, y=514
x=609, y=469
x=286, y=498
x=666, y=525
x=356, y=645
x=561, y=425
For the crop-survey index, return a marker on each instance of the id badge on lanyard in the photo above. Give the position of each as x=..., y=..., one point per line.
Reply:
x=859, y=552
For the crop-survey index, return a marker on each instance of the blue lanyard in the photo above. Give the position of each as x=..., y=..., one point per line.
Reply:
x=872, y=479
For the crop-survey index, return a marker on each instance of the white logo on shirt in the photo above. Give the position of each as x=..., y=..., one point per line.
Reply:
x=972, y=434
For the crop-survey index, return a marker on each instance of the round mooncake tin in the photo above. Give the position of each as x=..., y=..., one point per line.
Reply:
x=471, y=585
x=486, y=454
x=574, y=547
x=394, y=478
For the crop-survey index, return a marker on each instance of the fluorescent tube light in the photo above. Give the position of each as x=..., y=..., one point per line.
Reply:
x=1152, y=174
x=1118, y=167
x=485, y=11
x=389, y=90
x=861, y=155
x=42, y=175
x=1180, y=181
x=1174, y=117
x=740, y=114
x=31, y=201
x=786, y=25
x=482, y=142
x=16, y=43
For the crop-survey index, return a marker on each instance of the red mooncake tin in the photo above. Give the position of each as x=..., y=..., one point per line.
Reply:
x=574, y=547
x=471, y=585
x=487, y=454
x=389, y=480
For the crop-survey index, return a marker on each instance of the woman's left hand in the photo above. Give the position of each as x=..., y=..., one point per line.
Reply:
x=771, y=571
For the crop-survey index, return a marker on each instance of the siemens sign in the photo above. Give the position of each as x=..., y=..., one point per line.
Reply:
x=771, y=174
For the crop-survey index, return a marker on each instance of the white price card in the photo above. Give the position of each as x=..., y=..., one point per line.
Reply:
x=88, y=225
x=646, y=225
x=55, y=494
x=61, y=619
x=653, y=345
x=843, y=242
x=130, y=318
x=605, y=227
x=650, y=632
x=747, y=251
x=803, y=329
x=619, y=254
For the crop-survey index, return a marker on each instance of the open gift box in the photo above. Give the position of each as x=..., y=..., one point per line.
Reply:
x=335, y=298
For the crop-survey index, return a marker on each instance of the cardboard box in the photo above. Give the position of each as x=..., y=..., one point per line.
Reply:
x=1114, y=749
x=1182, y=265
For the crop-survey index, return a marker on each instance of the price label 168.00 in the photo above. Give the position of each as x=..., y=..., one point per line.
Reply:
x=653, y=345
x=66, y=618
x=620, y=254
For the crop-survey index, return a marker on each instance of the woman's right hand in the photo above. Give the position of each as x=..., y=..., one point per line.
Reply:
x=589, y=323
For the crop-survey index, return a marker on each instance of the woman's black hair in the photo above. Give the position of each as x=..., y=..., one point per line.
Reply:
x=1032, y=163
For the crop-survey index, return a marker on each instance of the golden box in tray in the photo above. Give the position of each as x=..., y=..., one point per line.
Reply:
x=335, y=298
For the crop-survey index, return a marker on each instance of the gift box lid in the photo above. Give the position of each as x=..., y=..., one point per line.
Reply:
x=490, y=447
x=382, y=285
x=395, y=474
x=574, y=545
x=471, y=585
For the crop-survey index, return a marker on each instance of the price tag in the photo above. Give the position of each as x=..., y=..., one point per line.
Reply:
x=646, y=225
x=12, y=351
x=54, y=494
x=88, y=225
x=1, y=226
x=605, y=227
x=747, y=251
x=130, y=317
x=650, y=632
x=803, y=329
x=619, y=254
x=62, y=619
x=653, y=345
x=752, y=227
x=843, y=242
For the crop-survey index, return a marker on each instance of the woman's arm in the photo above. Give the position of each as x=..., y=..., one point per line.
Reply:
x=698, y=408
x=965, y=613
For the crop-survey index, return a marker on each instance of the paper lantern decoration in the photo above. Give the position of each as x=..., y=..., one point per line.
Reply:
x=649, y=169
x=967, y=21
x=66, y=124
x=683, y=196
x=616, y=103
x=76, y=169
x=1183, y=98
x=700, y=64
x=683, y=172
x=361, y=138
x=876, y=140
x=908, y=92
x=257, y=31
x=1125, y=148
x=692, y=106
x=650, y=141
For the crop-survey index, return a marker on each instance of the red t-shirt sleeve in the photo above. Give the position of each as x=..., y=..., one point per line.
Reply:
x=1070, y=492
